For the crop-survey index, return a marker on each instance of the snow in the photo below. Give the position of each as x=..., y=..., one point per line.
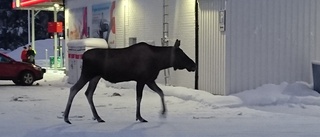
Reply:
x=284, y=110
x=40, y=47
x=4, y=51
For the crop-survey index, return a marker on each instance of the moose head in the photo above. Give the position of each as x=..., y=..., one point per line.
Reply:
x=181, y=60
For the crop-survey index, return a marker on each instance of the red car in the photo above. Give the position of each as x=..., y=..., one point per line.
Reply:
x=21, y=73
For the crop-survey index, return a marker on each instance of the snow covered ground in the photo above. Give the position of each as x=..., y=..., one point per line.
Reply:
x=285, y=110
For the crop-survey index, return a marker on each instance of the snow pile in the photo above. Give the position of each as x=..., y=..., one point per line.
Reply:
x=186, y=94
x=41, y=46
x=4, y=51
x=270, y=94
x=266, y=95
x=203, y=97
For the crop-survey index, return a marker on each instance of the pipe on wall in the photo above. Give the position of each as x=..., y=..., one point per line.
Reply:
x=196, y=84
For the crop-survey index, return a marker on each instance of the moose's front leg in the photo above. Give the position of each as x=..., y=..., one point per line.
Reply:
x=89, y=94
x=153, y=86
x=139, y=89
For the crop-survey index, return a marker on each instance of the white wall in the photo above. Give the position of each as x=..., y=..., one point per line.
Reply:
x=143, y=19
x=271, y=41
x=183, y=28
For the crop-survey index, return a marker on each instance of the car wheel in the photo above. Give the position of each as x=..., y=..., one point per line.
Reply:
x=27, y=78
x=17, y=82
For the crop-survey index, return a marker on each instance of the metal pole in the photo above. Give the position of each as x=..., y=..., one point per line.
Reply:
x=33, y=38
x=124, y=23
x=55, y=37
x=60, y=49
x=48, y=61
x=196, y=81
x=29, y=38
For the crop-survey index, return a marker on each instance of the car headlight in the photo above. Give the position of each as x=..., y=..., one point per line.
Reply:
x=36, y=67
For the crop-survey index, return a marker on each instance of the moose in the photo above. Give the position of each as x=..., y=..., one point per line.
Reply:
x=140, y=62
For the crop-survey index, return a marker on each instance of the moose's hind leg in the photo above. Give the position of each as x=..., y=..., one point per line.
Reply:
x=153, y=86
x=89, y=94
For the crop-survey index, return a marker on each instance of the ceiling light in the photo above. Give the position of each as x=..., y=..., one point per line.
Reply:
x=56, y=5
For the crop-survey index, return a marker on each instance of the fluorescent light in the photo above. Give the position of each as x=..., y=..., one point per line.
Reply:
x=56, y=5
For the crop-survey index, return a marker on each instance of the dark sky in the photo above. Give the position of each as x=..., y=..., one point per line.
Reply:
x=5, y=4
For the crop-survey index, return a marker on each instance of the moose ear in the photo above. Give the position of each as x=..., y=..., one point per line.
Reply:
x=177, y=43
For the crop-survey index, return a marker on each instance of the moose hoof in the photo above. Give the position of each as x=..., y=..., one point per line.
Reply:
x=163, y=114
x=67, y=121
x=101, y=121
x=141, y=120
x=98, y=119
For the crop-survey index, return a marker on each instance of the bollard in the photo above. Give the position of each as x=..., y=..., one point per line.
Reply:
x=48, y=62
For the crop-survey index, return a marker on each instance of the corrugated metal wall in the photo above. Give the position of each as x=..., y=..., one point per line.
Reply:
x=270, y=41
x=212, y=47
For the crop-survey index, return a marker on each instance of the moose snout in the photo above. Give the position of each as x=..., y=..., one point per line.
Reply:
x=192, y=68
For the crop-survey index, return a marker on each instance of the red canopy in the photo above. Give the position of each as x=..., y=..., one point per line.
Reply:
x=38, y=4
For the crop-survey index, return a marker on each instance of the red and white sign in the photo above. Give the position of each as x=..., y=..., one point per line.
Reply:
x=75, y=56
x=26, y=3
x=55, y=27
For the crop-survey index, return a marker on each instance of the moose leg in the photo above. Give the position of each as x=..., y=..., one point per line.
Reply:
x=139, y=89
x=153, y=86
x=89, y=94
x=73, y=91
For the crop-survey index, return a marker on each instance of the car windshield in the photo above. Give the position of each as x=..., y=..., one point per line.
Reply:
x=4, y=58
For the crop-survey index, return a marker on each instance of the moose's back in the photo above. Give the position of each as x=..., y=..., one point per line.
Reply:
x=137, y=62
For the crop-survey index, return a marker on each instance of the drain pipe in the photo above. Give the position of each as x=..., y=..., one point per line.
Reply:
x=197, y=44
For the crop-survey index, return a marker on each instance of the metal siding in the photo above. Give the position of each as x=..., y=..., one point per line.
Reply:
x=270, y=41
x=267, y=41
x=315, y=32
x=316, y=48
x=212, y=48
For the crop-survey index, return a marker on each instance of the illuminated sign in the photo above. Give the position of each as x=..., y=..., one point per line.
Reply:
x=55, y=27
x=26, y=3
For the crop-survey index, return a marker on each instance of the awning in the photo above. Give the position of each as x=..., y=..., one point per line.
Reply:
x=37, y=4
x=33, y=5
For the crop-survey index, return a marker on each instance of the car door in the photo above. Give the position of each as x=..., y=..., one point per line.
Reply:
x=8, y=69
